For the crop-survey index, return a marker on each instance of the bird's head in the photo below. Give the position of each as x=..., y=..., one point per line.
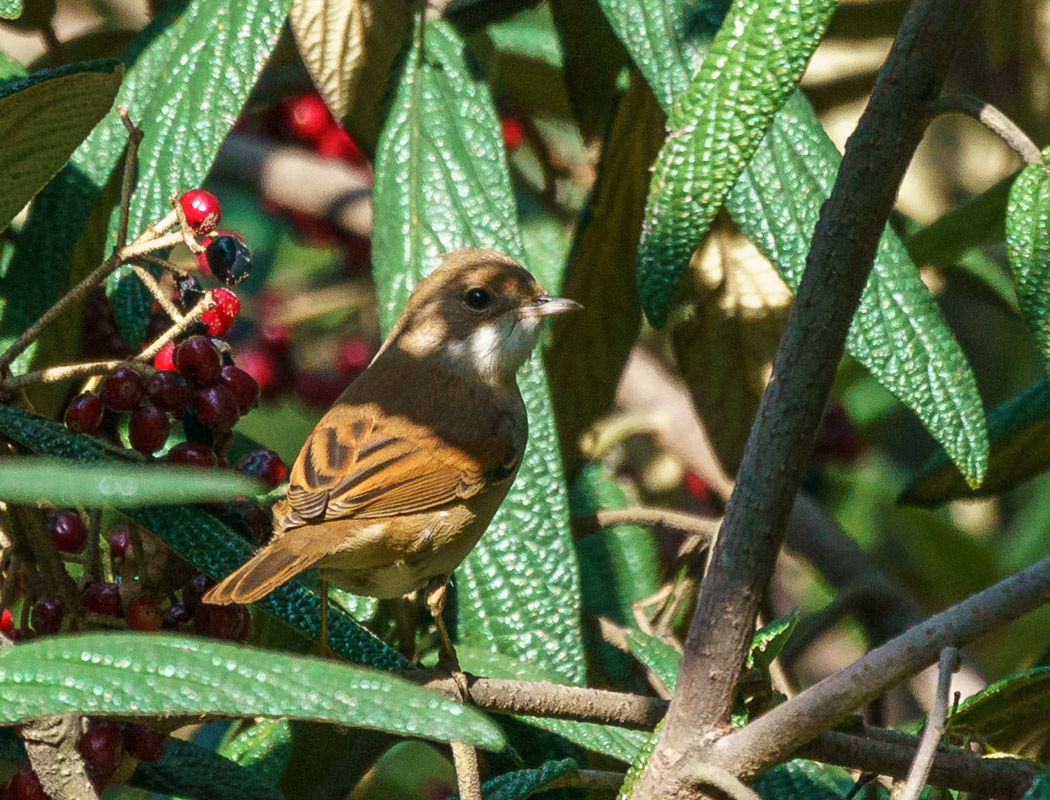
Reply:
x=480, y=311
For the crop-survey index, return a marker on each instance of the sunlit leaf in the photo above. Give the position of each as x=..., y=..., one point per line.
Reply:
x=1028, y=248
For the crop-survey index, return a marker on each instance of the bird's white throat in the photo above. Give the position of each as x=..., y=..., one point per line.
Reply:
x=496, y=350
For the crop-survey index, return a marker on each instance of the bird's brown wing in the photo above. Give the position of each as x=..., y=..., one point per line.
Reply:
x=361, y=463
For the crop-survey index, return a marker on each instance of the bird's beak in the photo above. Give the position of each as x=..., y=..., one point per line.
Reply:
x=547, y=306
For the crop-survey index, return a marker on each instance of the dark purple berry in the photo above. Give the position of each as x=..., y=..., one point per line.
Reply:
x=216, y=406
x=198, y=361
x=84, y=413
x=103, y=598
x=25, y=785
x=101, y=746
x=148, y=429
x=119, y=541
x=229, y=259
x=264, y=465
x=68, y=531
x=144, y=743
x=244, y=387
x=192, y=454
x=47, y=613
x=122, y=389
x=169, y=391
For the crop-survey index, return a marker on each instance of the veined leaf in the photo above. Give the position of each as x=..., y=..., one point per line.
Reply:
x=192, y=772
x=1040, y=789
x=43, y=119
x=639, y=764
x=1012, y=714
x=591, y=346
x=349, y=47
x=135, y=674
x=731, y=311
x=205, y=542
x=803, y=780
x=10, y=9
x=769, y=640
x=753, y=65
x=44, y=480
x=526, y=782
x=619, y=743
x=1019, y=430
x=264, y=746
x=1028, y=248
x=898, y=332
x=658, y=656
x=441, y=183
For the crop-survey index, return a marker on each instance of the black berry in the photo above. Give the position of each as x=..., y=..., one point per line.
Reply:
x=229, y=259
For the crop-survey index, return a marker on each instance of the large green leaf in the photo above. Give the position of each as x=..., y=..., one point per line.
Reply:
x=1028, y=248
x=658, y=656
x=205, y=542
x=898, y=333
x=43, y=119
x=525, y=782
x=1019, y=431
x=148, y=675
x=753, y=65
x=1012, y=714
x=192, y=772
x=619, y=743
x=43, y=480
x=803, y=780
x=442, y=183
x=264, y=746
x=639, y=764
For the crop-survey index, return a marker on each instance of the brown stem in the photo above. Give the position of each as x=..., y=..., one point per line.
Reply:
x=468, y=781
x=660, y=519
x=169, y=335
x=127, y=185
x=844, y=244
x=159, y=294
x=995, y=121
x=61, y=373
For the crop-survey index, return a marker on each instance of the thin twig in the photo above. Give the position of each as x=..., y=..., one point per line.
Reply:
x=935, y=727
x=661, y=519
x=159, y=294
x=776, y=456
x=206, y=302
x=465, y=757
x=61, y=373
x=995, y=121
x=127, y=185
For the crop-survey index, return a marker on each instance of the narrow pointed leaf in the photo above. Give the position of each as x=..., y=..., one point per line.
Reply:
x=43, y=119
x=264, y=746
x=442, y=183
x=639, y=764
x=192, y=772
x=753, y=65
x=149, y=675
x=776, y=203
x=658, y=656
x=205, y=542
x=43, y=480
x=526, y=782
x=1028, y=249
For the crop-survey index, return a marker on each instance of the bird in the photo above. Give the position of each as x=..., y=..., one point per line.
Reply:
x=400, y=478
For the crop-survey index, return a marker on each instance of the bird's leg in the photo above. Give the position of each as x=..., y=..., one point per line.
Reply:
x=324, y=647
x=447, y=658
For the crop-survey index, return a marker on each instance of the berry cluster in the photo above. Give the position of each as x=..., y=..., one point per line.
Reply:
x=104, y=745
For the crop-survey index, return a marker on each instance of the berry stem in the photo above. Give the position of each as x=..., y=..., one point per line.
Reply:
x=192, y=316
x=127, y=186
x=45, y=555
x=93, y=549
x=149, y=245
x=161, y=297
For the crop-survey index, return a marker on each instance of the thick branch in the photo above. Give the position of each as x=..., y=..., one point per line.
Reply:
x=844, y=245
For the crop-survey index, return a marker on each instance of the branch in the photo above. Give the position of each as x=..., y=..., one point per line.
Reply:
x=784, y=729
x=468, y=780
x=660, y=519
x=844, y=245
x=935, y=727
x=995, y=121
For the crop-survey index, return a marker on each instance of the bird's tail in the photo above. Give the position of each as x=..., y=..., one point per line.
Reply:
x=268, y=569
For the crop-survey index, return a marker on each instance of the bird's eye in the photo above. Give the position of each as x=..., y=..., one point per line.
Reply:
x=477, y=299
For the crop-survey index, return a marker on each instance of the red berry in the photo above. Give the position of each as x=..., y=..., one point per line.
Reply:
x=277, y=339
x=122, y=389
x=118, y=540
x=216, y=407
x=144, y=743
x=101, y=746
x=319, y=388
x=84, y=413
x=696, y=486
x=354, y=355
x=307, y=117
x=68, y=531
x=229, y=259
x=261, y=367
x=7, y=623
x=149, y=428
x=202, y=210
x=191, y=454
x=25, y=785
x=164, y=360
x=103, y=598
x=197, y=360
x=513, y=132
x=265, y=465
x=220, y=317
x=221, y=622
x=169, y=391
x=47, y=613
x=143, y=614
x=335, y=143
x=244, y=387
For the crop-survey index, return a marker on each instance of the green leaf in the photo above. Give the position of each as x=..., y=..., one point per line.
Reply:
x=754, y=63
x=10, y=9
x=1012, y=714
x=526, y=782
x=192, y=772
x=205, y=542
x=441, y=183
x=42, y=121
x=10, y=68
x=264, y=745
x=638, y=765
x=1040, y=789
x=185, y=90
x=803, y=780
x=658, y=656
x=1019, y=431
x=619, y=743
x=43, y=480
x=898, y=332
x=1028, y=249
x=770, y=640
x=149, y=675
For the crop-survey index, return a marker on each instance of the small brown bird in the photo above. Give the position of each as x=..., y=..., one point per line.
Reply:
x=399, y=480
